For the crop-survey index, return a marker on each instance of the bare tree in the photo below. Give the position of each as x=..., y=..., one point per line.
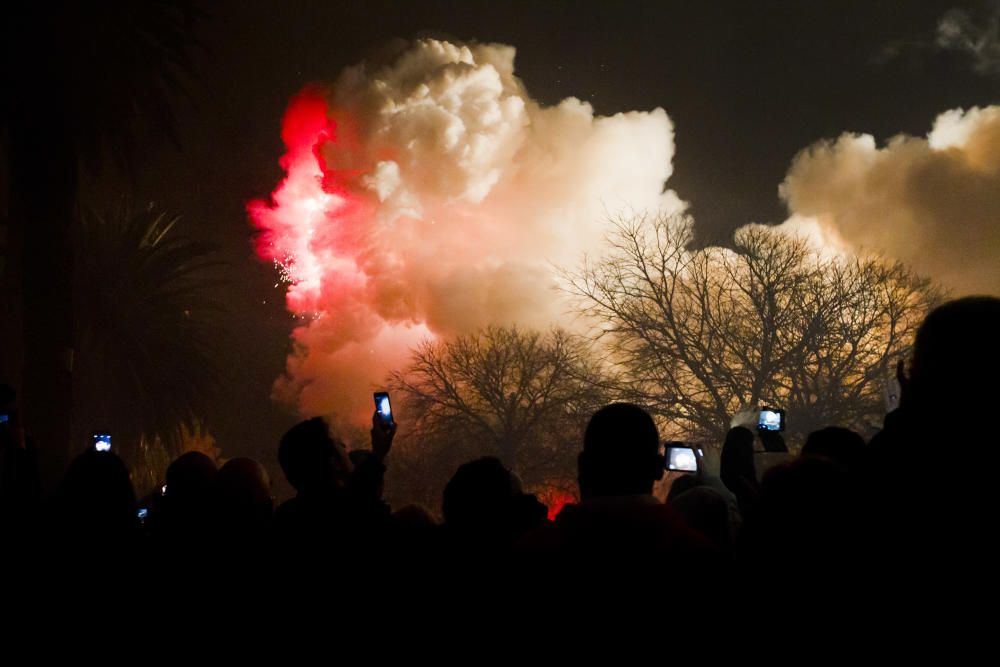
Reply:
x=522, y=396
x=700, y=335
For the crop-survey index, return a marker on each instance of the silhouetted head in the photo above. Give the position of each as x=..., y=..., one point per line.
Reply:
x=242, y=495
x=479, y=494
x=621, y=453
x=956, y=357
x=190, y=477
x=185, y=511
x=682, y=484
x=737, y=455
x=243, y=481
x=840, y=445
x=413, y=530
x=806, y=508
x=311, y=459
x=96, y=497
x=414, y=517
x=707, y=511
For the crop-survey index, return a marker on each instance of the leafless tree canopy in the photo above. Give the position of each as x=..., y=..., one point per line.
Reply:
x=522, y=396
x=701, y=335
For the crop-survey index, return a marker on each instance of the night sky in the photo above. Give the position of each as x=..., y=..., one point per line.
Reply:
x=746, y=84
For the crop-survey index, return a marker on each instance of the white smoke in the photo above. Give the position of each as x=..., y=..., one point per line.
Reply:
x=959, y=30
x=933, y=203
x=445, y=197
x=449, y=197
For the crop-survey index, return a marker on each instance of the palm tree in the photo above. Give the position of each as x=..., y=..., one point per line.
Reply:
x=85, y=77
x=147, y=337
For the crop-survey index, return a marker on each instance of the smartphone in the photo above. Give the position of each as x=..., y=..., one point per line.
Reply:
x=771, y=419
x=102, y=442
x=893, y=392
x=4, y=417
x=681, y=457
x=382, y=407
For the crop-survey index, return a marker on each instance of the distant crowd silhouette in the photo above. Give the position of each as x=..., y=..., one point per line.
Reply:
x=921, y=491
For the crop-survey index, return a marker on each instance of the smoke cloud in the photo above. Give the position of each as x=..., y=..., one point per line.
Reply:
x=959, y=30
x=430, y=195
x=933, y=202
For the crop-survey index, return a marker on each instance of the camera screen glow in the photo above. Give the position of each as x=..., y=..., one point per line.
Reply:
x=769, y=420
x=102, y=442
x=383, y=407
x=682, y=459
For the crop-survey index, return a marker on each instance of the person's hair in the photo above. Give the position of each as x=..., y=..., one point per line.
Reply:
x=620, y=452
x=96, y=496
x=840, y=445
x=190, y=474
x=956, y=346
x=683, y=484
x=243, y=493
x=309, y=456
x=706, y=510
x=479, y=492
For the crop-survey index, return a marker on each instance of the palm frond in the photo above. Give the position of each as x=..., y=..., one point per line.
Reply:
x=146, y=344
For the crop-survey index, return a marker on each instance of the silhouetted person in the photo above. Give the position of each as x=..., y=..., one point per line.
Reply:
x=806, y=520
x=485, y=509
x=337, y=505
x=317, y=467
x=94, y=507
x=699, y=512
x=705, y=510
x=242, y=501
x=840, y=445
x=682, y=484
x=737, y=469
x=183, y=515
x=617, y=515
x=931, y=471
x=414, y=531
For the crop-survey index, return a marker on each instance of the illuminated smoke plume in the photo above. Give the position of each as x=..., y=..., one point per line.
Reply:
x=429, y=196
x=933, y=203
x=961, y=30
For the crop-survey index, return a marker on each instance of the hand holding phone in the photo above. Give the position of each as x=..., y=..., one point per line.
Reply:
x=383, y=410
x=383, y=425
x=681, y=457
x=771, y=419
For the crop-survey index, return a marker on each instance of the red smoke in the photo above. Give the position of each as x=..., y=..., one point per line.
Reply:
x=298, y=197
x=304, y=128
x=555, y=498
x=429, y=196
x=314, y=230
x=298, y=228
